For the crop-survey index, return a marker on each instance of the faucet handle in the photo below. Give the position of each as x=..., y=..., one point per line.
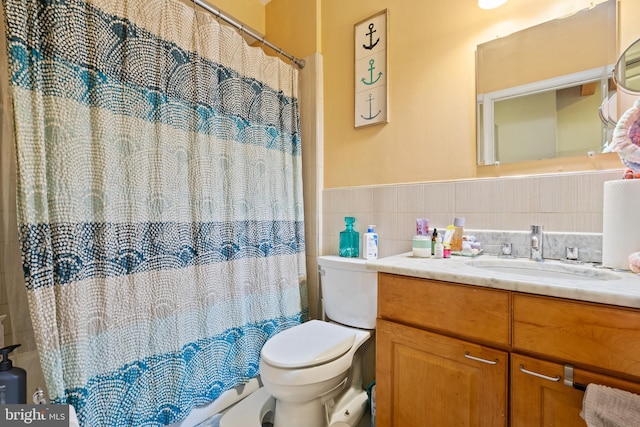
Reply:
x=571, y=253
x=506, y=249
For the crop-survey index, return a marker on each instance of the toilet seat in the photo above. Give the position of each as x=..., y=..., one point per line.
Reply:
x=309, y=344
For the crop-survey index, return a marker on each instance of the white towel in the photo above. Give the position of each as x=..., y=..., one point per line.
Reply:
x=604, y=406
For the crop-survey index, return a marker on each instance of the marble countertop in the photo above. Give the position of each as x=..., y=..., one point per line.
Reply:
x=600, y=285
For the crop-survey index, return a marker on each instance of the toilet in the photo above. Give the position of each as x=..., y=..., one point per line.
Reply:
x=312, y=372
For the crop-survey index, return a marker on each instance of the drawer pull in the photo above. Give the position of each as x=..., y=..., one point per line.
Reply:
x=477, y=359
x=544, y=377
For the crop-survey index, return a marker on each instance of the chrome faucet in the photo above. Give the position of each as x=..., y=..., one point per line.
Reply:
x=536, y=243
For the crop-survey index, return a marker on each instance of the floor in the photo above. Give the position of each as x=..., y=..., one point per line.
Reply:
x=365, y=421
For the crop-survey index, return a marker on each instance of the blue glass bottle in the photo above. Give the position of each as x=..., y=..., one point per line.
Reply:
x=349, y=239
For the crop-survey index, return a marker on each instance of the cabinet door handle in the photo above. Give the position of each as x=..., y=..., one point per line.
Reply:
x=477, y=359
x=544, y=377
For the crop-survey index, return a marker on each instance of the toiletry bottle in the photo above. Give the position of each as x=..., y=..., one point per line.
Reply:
x=13, y=380
x=370, y=243
x=422, y=227
x=421, y=246
x=434, y=237
x=439, y=249
x=349, y=239
x=448, y=234
x=458, y=230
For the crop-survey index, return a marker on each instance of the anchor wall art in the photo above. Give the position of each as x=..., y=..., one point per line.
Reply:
x=371, y=82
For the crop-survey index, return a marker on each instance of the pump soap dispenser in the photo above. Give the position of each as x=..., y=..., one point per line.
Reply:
x=13, y=380
x=370, y=244
x=349, y=240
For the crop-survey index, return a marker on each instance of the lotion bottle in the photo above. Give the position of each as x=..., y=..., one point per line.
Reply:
x=370, y=243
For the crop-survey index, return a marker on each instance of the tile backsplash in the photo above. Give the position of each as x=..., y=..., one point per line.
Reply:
x=568, y=205
x=554, y=244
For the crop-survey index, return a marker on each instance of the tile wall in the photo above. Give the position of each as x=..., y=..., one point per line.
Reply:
x=562, y=203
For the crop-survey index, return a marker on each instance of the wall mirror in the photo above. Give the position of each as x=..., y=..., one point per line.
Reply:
x=539, y=90
x=627, y=71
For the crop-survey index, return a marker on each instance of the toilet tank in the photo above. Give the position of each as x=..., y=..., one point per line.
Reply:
x=349, y=291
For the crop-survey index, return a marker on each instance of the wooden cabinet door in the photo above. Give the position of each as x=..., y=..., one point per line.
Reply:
x=426, y=379
x=540, y=398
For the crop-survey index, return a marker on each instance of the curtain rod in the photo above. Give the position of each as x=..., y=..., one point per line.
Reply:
x=239, y=26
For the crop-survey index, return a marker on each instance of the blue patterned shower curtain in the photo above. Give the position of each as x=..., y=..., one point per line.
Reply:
x=159, y=203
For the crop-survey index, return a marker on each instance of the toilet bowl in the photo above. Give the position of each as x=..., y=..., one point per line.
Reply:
x=313, y=371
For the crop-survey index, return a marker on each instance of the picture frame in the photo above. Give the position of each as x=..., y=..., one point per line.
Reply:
x=371, y=83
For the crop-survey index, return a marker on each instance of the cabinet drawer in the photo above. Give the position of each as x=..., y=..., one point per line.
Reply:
x=601, y=336
x=539, y=396
x=466, y=311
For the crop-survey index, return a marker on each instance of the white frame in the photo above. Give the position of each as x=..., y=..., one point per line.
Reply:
x=371, y=80
x=488, y=100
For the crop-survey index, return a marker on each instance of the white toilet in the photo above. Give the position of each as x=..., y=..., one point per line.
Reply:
x=312, y=373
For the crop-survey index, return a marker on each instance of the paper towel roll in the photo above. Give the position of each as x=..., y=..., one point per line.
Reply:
x=620, y=222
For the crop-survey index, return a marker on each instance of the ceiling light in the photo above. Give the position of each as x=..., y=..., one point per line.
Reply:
x=490, y=4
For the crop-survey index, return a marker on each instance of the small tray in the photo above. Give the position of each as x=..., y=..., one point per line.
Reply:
x=460, y=253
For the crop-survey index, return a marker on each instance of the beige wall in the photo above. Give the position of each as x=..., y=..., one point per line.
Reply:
x=250, y=12
x=431, y=133
x=294, y=25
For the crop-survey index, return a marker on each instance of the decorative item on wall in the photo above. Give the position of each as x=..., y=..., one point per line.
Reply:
x=371, y=81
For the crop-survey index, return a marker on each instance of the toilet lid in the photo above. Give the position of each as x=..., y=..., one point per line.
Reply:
x=311, y=343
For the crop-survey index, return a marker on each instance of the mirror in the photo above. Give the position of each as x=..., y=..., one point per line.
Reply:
x=627, y=71
x=540, y=90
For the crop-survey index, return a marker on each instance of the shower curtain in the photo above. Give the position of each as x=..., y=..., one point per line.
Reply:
x=159, y=203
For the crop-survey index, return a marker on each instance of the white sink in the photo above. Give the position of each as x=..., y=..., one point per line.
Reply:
x=544, y=269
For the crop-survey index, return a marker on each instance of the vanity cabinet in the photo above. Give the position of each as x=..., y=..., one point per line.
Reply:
x=439, y=360
x=451, y=354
